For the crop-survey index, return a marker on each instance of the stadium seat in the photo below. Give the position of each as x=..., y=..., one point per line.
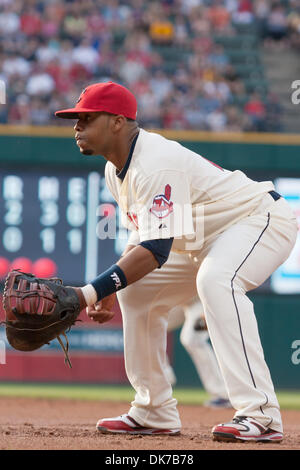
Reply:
x=260, y=85
x=249, y=71
x=238, y=41
x=243, y=56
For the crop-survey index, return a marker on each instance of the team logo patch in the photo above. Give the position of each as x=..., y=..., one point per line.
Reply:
x=161, y=205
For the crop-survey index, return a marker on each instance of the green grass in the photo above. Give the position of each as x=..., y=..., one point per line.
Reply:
x=185, y=396
x=73, y=392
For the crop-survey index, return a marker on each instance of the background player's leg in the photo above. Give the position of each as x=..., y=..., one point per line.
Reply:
x=196, y=343
x=242, y=258
x=175, y=320
x=145, y=306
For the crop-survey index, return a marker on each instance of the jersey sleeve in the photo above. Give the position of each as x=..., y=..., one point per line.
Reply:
x=134, y=238
x=159, y=248
x=164, y=207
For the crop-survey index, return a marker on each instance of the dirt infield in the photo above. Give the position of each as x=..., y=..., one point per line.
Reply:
x=70, y=424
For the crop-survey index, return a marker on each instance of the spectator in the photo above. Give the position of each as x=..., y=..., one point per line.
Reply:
x=188, y=6
x=276, y=28
x=31, y=22
x=244, y=13
x=261, y=10
x=20, y=111
x=217, y=57
x=40, y=83
x=85, y=55
x=14, y=65
x=173, y=116
x=216, y=121
x=65, y=58
x=115, y=13
x=256, y=112
x=160, y=85
x=29, y=49
x=274, y=113
x=47, y=52
x=52, y=18
x=208, y=102
x=132, y=70
x=74, y=25
x=150, y=111
x=239, y=96
x=218, y=16
x=39, y=112
x=161, y=31
x=195, y=117
x=9, y=21
x=236, y=120
x=51, y=49
x=293, y=19
x=181, y=31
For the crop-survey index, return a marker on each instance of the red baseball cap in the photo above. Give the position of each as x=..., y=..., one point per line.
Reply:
x=109, y=97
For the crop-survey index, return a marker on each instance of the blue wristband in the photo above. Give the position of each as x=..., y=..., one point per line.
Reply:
x=112, y=280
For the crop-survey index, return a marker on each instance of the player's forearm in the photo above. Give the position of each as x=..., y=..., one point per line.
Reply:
x=127, y=250
x=137, y=263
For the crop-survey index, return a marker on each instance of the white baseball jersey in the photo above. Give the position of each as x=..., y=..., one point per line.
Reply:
x=170, y=191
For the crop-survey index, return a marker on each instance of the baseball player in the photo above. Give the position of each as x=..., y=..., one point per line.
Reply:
x=194, y=337
x=237, y=231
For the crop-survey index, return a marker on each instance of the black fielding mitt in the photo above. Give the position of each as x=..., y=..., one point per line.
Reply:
x=38, y=311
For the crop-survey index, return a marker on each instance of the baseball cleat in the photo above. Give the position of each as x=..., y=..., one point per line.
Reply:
x=243, y=428
x=124, y=424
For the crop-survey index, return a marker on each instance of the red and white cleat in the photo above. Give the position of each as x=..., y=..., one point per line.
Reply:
x=124, y=424
x=243, y=428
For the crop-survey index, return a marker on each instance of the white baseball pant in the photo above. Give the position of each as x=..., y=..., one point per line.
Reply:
x=236, y=261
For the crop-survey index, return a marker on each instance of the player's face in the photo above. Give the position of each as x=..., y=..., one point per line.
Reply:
x=92, y=133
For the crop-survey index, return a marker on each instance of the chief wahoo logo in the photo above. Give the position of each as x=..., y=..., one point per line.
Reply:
x=161, y=205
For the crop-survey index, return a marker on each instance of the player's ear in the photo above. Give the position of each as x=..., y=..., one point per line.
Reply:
x=118, y=122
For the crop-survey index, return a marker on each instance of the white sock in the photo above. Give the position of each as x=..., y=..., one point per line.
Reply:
x=89, y=294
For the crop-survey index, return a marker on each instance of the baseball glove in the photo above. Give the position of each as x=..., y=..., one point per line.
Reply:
x=38, y=311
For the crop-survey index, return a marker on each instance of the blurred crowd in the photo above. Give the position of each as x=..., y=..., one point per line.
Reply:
x=51, y=49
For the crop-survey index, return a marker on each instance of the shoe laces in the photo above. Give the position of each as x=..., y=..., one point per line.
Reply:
x=239, y=419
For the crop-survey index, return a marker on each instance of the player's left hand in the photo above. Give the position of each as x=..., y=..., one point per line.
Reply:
x=102, y=311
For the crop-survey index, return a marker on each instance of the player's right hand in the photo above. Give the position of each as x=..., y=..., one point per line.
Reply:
x=101, y=311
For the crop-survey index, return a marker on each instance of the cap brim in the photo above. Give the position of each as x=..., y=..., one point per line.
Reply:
x=73, y=113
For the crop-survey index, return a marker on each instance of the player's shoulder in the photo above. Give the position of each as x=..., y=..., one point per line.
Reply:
x=156, y=153
x=149, y=141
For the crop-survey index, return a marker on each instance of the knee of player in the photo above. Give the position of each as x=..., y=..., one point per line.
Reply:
x=211, y=282
x=192, y=338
